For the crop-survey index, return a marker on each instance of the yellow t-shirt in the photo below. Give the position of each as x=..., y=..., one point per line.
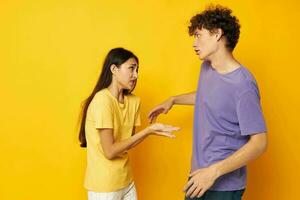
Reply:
x=104, y=111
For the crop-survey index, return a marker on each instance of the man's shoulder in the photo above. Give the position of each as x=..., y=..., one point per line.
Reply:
x=247, y=81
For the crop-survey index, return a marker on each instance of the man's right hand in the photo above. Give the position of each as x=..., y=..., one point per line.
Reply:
x=161, y=108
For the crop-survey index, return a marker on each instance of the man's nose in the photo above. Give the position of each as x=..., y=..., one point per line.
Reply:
x=194, y=44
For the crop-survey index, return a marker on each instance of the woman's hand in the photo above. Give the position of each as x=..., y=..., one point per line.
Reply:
x=162, y=130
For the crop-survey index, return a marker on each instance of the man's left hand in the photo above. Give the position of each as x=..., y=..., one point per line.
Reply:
x=201, y=180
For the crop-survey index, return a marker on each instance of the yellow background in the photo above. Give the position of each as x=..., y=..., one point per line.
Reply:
x=51, y=56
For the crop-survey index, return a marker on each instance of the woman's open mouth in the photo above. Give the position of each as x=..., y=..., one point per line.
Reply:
x=132, y=82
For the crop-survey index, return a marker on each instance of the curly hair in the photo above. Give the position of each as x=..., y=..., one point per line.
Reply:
x=214, y=17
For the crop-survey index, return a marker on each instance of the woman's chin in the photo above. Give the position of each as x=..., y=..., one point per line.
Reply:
x=130, y=87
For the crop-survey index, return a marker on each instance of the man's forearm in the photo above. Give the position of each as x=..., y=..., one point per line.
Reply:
x=184, y=99
x=251, y=150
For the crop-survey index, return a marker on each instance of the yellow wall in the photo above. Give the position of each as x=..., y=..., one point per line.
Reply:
x=51, y=53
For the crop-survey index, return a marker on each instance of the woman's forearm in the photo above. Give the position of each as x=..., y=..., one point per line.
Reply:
x=117, y=148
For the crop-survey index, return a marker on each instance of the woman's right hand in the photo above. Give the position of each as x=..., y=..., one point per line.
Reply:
x=162, y=130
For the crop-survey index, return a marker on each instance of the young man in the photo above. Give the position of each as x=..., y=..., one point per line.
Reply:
x=229, y=127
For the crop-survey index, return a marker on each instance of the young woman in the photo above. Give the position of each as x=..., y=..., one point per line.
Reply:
x=107, y=129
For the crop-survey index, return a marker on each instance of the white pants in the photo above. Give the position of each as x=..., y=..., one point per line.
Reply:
x=128, y=193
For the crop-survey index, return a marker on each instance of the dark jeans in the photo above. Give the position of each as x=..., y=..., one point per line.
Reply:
x=220, y=195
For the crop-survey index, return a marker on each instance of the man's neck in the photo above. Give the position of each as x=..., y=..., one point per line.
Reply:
x=224, y=62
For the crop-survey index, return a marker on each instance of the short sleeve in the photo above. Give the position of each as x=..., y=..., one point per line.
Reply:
x=103, y=112
x=137, y=118
x=250, y=115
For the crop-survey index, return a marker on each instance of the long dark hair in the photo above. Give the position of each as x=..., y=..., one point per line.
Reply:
x=116, y=56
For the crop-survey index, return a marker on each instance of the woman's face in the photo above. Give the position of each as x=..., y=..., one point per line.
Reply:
x=127, y=74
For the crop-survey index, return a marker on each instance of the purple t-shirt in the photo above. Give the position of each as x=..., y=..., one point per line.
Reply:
x=227, y=112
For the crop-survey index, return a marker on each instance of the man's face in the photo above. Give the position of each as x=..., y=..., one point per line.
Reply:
x=205, y=43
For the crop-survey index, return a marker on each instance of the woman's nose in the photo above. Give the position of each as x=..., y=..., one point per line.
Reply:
x=135, y=75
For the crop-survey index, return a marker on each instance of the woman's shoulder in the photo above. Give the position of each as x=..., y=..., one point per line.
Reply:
x=102, y=96
x=134, y=98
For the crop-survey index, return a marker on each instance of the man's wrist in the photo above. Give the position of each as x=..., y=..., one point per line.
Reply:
x=217, y=170
x=172, y=100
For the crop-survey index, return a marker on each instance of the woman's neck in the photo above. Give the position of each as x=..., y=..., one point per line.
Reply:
x=116, y=91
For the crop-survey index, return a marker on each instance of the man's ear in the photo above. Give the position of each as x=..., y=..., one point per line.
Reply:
x=218, y=34
x=113, y=68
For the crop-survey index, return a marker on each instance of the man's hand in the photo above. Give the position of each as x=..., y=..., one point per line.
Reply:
x=161, y=108
x=201, y=180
